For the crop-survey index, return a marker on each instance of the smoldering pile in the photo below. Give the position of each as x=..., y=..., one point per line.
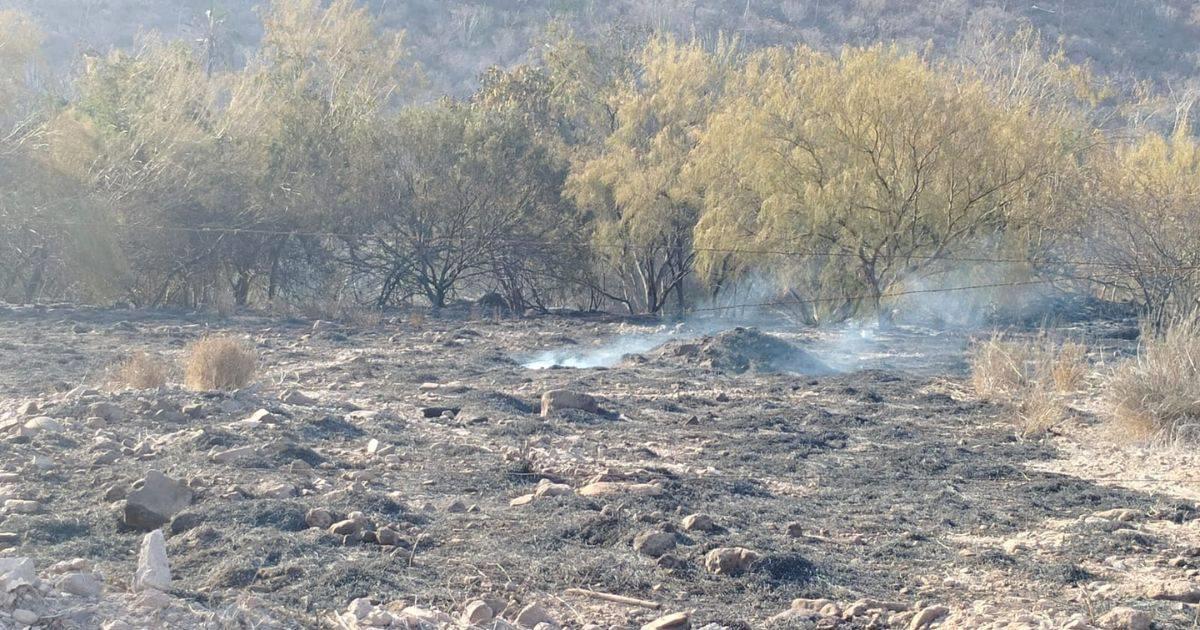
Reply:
x=734, y=351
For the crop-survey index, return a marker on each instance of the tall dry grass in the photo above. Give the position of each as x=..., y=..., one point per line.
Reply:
x=219, y=363
x=1036, y=376
x=1157, y=393
x=141, y=371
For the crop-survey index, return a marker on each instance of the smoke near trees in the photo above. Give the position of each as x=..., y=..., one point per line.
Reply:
x=633, y=171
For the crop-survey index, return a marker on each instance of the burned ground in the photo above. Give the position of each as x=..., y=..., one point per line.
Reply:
x=877, y=482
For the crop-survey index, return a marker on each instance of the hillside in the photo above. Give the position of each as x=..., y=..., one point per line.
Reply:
x=456, y=39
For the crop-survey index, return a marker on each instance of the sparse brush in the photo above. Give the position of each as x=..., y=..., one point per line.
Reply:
x=1036, y=375
x=219, y=363
x=1040, y=409
x=1157, y=393
x=141, y=371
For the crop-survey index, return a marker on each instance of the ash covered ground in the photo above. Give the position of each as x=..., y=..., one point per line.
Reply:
x=770, y=477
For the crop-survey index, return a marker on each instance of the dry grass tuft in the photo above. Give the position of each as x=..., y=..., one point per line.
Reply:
x=1036, y=375
x=219, y=363
x=1157, y=394
x=141, y=371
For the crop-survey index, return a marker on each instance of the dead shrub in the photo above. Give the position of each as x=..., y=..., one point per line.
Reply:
x=141, y=371
x=219, y=363
x=1157, y=393
x=1035, y=375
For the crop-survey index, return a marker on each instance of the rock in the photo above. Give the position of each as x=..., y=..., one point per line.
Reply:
x=41, y=424
x=456, y=507
x=82, y=584
x=559, y=399
x=437, y=618
x=27, y=617
x=277, y=490
x=1123, y=515
x=233, y=454
x=653, y=543
x=532, y=615
x=16, y=572
x=319, y=518
x=155, y=502
x=601, y=488
x=297, y=397
x=153, y=571
x=262, y=416
x=28, y=408
x=1178, y=591
x=348, y=527
x=388, y=537
x=524, y=499
x=674, y=621
x=360, y=608
x=1124, y=618
x=477, y=613
x=927, y=616
x=698, y=523
x=21, y=506
x=729, y=560
x=109, y=411
x=547, y=488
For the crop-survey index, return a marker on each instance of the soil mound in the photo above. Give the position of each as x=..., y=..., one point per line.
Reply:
x=737, y=351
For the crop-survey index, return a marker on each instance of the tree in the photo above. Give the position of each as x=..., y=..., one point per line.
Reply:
x=449, y=195
x=873, y=161
x=643, y=211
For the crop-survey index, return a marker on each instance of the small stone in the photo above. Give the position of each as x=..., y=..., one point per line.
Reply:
x=673, y=621
x=1125, y=618
x=698, y=523
x=277, y=490
x=319, y=518
x=360, y=608
x=1122, y=515
x=27, y=617
x=109, y=411
x=263, y=416
x=456, y=507
x=21, y=506
x=524, y=499
x=233, y=454
x=927, y=616
x=153, y=571
x=653, y=543
x=601, y=488
x=348, y=527
x=477, y=613
x=547, y=488
x=388, y=537
x=297, y=397
x=82, y=584
x=559, y=399
x=729, y=560
x=41, y=424
x=532, y=615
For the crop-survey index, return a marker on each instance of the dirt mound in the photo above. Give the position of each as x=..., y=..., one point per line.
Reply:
x=737, y=351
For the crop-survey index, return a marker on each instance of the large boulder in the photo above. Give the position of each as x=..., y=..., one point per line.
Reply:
x=152, y=505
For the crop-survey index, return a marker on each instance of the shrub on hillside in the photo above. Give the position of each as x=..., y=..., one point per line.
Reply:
x=219, y=363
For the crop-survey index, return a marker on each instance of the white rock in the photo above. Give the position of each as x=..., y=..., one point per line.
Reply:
x=41, y=424
x=360, y=608
x=82, y=584
x=16, y=572
x=153, y=571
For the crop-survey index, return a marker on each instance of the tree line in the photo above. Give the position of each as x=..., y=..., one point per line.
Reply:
x=639, y=172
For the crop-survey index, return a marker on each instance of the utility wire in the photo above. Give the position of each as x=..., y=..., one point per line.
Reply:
x=213, y=229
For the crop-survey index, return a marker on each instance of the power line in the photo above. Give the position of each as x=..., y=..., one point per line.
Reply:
x=212, y=229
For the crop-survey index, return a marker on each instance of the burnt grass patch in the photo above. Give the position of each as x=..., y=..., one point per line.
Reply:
x=877, y=469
